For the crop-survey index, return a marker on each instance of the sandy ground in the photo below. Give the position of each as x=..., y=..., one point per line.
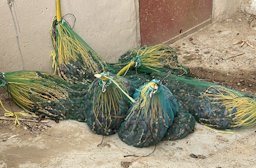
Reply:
x=71, y=144
x=223, y=52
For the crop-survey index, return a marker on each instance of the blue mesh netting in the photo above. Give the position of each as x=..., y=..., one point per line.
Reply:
x=106, y=105
x=149, y=117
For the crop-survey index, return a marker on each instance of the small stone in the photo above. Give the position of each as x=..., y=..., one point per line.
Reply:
x=125, y=164
x=193, y=156
x=197, y=156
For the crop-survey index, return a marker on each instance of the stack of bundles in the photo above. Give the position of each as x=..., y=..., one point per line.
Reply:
x=73, y=59
x=107, y=103
x=45, y=95
x=158, y=58
x=211, y=104
x=150, y=116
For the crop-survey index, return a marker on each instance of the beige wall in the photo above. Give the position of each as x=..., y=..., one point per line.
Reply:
x=249, y=6
x=109, y=26
x=223, y=9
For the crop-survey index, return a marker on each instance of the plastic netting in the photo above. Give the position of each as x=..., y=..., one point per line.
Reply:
x=211, y=104
x=45, y=95
x=150, y=116
x=158, y=58
x=183, y=125
x=73, y=59
x=106, y=104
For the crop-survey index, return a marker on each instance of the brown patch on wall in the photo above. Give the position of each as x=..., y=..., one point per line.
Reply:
x=161, y=20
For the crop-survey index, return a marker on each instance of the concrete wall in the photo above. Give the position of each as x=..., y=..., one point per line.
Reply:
x=223, y=9
x=109, y=26
x=249, y=6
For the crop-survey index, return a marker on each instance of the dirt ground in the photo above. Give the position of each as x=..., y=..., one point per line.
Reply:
x=212, y=53
x=223, y=52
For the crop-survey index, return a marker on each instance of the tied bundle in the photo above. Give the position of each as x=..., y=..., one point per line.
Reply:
x=45, y=95
x=73, y=59
x=212, y=104
x=148, y=59
x=106, y=103
x=150, y=116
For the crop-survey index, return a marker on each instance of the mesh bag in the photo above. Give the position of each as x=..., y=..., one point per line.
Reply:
x=150, y=116
x=45, y=95
x=106, y=104
x=73, y=59
x=148, y=59
x=212, y=104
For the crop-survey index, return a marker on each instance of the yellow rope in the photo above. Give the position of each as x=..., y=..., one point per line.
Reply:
x=17, y=115
x=104, y=77
x=143, y=93
x=130, y=98
x=126, y=68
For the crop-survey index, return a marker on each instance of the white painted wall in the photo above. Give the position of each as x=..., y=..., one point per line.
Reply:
x=108, y=26
x=249, y=6
x=223, y=9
